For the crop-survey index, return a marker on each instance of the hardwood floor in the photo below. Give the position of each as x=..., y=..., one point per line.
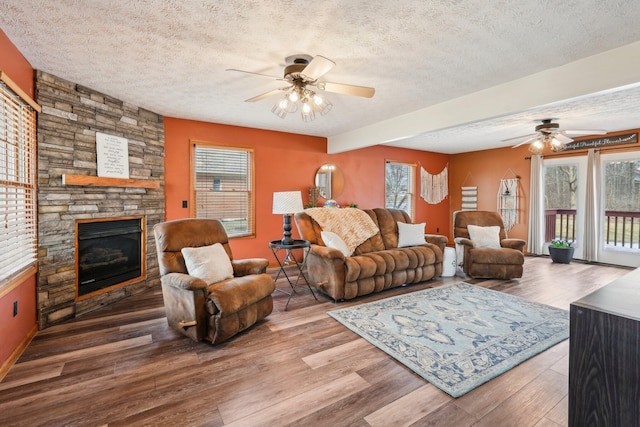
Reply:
x=121, y=366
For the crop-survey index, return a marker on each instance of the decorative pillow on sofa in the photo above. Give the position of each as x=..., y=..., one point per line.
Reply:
x=411, y=234
x=209, y=263
x=484, y=237
x=332, y=240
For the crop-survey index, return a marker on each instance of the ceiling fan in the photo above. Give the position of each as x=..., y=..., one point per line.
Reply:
x=549, y=133
x=302, y=75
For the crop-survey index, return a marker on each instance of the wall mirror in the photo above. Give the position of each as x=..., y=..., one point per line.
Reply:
x=330, y=181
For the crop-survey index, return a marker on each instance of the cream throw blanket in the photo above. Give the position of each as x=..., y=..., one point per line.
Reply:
x=353, y=225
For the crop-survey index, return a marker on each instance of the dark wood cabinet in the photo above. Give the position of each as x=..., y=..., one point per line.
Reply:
x=604, y=356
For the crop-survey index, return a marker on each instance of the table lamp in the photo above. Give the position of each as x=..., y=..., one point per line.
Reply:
x=287, y=203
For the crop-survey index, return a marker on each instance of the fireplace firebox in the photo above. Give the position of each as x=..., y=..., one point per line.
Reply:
x=109, y=253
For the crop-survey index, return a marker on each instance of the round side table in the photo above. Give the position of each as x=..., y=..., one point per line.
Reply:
x=278, y=248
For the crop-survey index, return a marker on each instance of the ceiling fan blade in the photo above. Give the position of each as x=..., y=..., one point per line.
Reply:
x=318, y=67
x=526, y=141
x=365, y=92
x=583, y=132
x=255, y=74
x=519, y=137
x=267, y=94
x=562, y=138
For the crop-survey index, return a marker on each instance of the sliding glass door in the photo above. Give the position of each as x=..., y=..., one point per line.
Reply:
x=602, y=219
x=619, y=216
x=564, y=200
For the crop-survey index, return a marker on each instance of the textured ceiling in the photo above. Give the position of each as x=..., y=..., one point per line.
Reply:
x=170, y=56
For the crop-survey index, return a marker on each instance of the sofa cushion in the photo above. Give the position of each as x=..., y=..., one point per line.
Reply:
x=484, y=237
x=388, y=223
x=388, y=261
x=410, y=234
x=332, y=240
x=375, y=242
x=209, y=263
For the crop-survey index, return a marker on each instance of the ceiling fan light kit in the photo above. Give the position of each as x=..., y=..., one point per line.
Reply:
x=537, y=146
x=302, y=73
x=301, y=98
x=548, y=134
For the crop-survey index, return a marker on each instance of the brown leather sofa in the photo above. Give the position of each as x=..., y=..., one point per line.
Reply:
x=376, y=264
x=217, y=311
x=503, y=262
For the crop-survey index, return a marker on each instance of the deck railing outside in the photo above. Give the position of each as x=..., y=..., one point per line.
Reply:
x=622, y=229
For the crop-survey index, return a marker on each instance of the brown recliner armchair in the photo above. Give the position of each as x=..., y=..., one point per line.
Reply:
x=503, y=262
x=215, y=311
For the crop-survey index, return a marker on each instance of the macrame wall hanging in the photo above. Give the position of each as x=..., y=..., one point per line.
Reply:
x=469, y=196
x=434, y=188
x=508, y=201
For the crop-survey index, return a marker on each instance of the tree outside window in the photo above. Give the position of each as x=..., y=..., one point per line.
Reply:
x=400, y=186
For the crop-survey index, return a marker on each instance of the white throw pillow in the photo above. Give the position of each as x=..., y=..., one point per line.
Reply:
x=411, y=234
x=484, y=237
x=332, y=240
x=209, y=263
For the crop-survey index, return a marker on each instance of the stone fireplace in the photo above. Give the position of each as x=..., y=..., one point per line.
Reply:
x=71, y=115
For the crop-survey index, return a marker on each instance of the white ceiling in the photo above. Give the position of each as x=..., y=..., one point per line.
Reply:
x=426, y=59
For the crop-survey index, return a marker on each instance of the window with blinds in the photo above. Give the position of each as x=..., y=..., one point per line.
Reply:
x=18, y=227
x=222, y=187
x=400, y=186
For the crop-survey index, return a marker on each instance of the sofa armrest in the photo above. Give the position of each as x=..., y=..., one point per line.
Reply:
x=325, y=252
x=245, y=267
x=326, y=268
x=184, y=302
x=513, y=244
x=464, y=242
x=183, y=281
x=437, y=239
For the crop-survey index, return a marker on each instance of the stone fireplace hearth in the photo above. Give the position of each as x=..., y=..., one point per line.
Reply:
x=71, y=116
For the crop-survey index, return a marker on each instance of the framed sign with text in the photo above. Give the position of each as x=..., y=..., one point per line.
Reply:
x=112, y=155
x=627, y=138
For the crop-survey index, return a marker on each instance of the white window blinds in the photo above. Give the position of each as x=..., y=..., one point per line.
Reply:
x=18, y=227
x=222, y=181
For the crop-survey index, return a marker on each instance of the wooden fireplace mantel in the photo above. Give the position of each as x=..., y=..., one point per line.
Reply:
x=96, y=181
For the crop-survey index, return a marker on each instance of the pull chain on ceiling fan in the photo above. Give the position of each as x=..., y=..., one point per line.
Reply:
x=302, y=74
x=548, y=134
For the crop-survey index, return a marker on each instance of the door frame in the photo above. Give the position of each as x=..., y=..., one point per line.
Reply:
x=581, y=163
x=613, y=255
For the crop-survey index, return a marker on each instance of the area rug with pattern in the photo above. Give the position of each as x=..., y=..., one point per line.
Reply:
x=457, y=336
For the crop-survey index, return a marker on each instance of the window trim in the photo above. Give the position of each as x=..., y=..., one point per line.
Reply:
x=251, y=221
x=413, y=199
x=16, y=277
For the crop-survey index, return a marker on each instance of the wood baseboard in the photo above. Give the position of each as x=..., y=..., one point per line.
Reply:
x=4, y=369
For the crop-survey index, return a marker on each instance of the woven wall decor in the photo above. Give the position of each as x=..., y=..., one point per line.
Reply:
x=469, y=198
x=434, y=188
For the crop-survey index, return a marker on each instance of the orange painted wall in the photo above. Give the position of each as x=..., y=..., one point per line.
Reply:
x=16, y=66
x=14, y=330
x=285, y=162
x=484, y=169
x=364, y=174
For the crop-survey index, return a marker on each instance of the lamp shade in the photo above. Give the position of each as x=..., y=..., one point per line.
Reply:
x=287, y=202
